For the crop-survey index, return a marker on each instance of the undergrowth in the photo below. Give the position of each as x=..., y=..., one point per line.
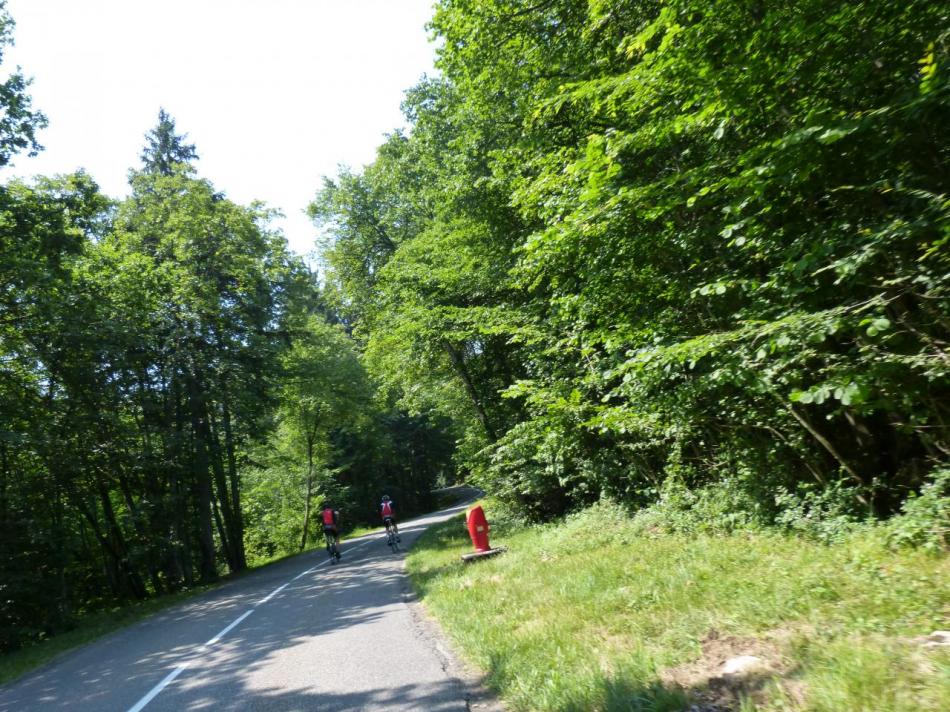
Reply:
x=604, y=610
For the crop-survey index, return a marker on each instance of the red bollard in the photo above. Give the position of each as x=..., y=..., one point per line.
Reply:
x=478, y=528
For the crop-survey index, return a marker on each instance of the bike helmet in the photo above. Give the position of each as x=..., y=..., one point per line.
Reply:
x=385, y=497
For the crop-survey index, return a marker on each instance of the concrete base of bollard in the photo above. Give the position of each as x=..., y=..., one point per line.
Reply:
x=478, y=555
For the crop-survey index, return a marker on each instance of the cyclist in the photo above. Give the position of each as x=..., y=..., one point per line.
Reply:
x=331, y=522
x=387, y=511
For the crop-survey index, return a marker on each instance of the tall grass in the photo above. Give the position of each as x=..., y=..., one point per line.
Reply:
x=599, y=613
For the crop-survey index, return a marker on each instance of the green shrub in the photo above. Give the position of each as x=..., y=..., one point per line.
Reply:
x=825, y=515
x=925, y=518
x=720, y=507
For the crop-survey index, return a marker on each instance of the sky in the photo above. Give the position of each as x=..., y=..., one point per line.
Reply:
x=274, y=94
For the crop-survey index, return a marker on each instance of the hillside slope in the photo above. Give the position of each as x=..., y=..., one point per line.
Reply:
x=598, y=612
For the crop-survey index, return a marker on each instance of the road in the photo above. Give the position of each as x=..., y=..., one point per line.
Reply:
x=297, y=635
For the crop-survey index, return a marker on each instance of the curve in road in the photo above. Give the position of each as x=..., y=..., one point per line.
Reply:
x=298, y=635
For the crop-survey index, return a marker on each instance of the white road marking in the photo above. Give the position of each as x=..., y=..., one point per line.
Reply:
x=272, y=594
x=159, y=687
x=227, y=630
x=304, y=573
x=138, y=706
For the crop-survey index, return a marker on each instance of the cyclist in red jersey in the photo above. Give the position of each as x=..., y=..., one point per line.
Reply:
x=331, y=522
x=387, y=511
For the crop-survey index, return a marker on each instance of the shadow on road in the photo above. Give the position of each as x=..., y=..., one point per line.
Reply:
x=439, y=697
x=332, y=639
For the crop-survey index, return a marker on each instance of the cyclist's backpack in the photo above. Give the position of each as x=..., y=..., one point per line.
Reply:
x=328, y=518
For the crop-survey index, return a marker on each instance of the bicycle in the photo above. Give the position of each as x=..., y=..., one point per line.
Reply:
x=391, y=539
x=332, y=549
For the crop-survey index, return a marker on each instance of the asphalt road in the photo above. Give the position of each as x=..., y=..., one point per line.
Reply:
x=298, y=635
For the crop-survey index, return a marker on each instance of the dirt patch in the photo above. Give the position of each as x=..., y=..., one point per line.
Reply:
x=715, y=690
x=937, y=639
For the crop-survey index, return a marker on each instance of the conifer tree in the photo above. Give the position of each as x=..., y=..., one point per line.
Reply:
x=164, y=148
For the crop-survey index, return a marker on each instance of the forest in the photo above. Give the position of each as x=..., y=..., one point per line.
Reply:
x=693, y=251
x=676, y=253
x=176, y=396
x=666, y=253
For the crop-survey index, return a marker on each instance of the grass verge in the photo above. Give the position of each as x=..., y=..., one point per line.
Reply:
x=95, y=625
x=595, y=614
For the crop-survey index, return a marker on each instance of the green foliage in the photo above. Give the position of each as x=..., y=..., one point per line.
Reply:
x=419, y=247
x=825, y=515
x=652, y=616
x=273, y=509
x=688, y=257
x=165, y=151
x=335, y=441
x=630, y=241
x=19, y=122
x=925, y=518
x=718, y=508
x=45, y=230
x=174, y=399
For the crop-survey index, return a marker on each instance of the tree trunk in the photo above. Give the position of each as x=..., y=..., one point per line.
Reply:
x=238, y=533
x=210, y=434
x=458, y=363
x=4, y=478
x=825, y=443
x=202, y=482
x=181, y=559
x=57, y=515
x=222, y=530
x=144, y=533
x=124, y=580
x=157, y=487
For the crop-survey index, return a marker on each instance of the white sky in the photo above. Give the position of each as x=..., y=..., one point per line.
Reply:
x=273, y=93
